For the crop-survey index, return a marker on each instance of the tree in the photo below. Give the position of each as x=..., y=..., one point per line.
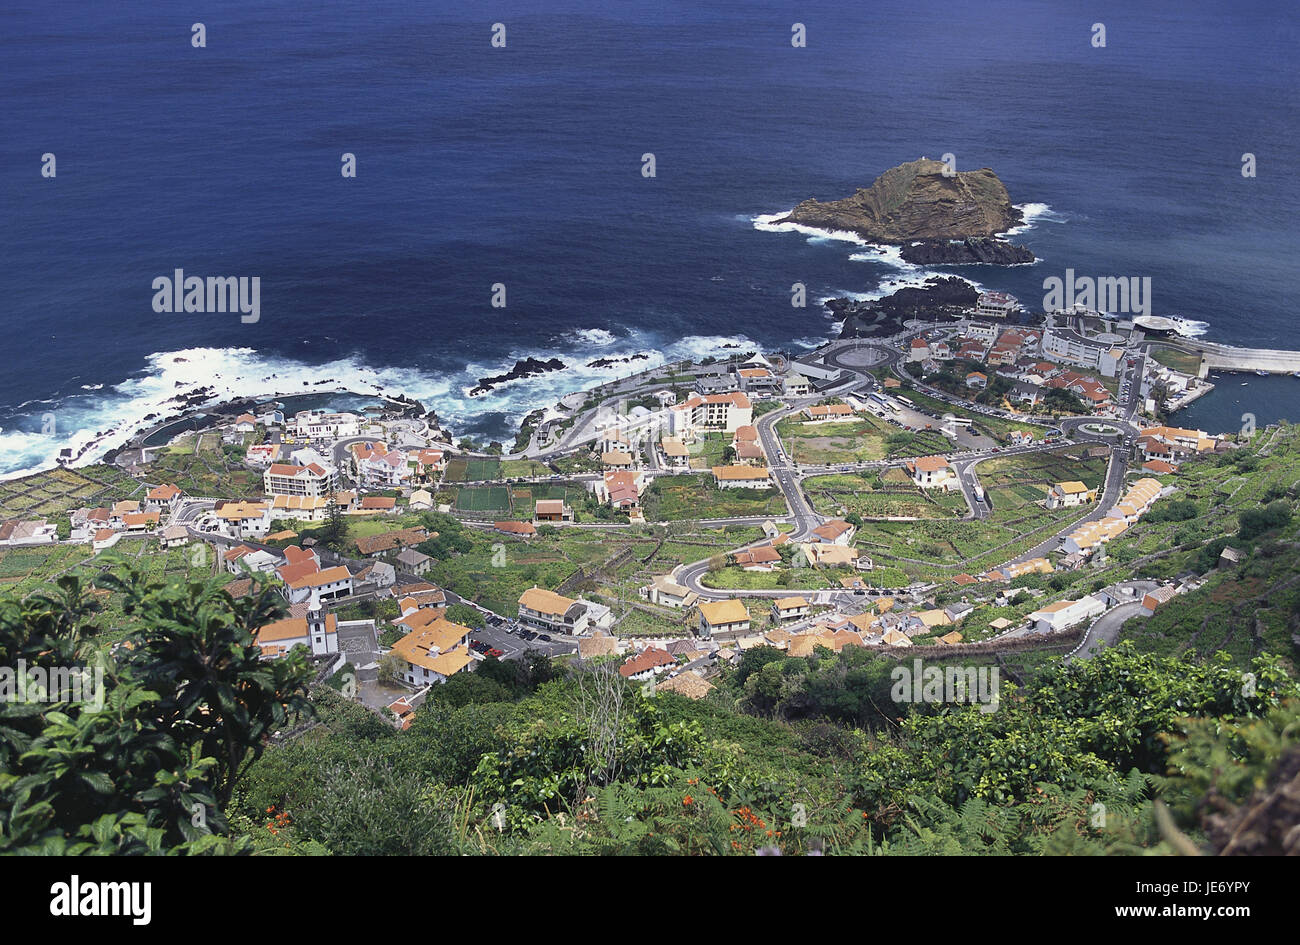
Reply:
x=336, y=526
x=717, y=563
x=187, y=705
x=465, y=615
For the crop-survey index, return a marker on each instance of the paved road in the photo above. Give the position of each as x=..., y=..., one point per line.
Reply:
x=1105, y=630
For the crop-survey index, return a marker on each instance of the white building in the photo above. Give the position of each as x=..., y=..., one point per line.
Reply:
x=995, y=305
x=241, y=519
x=313, y=480
x=319, y=425
x=1066, y=613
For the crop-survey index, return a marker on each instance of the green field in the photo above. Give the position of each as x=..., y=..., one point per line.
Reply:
x=51, y=493
x=1178, y=360
x=869, y=497
x=860, y=440
x=200, y=464
x=473, y=469
x=484, y=499
x=694, y=496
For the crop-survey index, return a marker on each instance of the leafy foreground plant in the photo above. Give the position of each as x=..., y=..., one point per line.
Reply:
x=187, y=706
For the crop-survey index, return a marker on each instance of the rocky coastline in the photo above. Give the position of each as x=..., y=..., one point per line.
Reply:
x=942, y=298
x=525, y=367
x=992, y=252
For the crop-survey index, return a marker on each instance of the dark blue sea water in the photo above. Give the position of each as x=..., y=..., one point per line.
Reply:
x=522, y=166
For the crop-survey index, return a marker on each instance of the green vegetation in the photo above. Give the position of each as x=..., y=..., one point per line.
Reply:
x=870, y=495
x=862, y=439
x=528, y=757
x=1178, y=360
x=53, y=493
x=694, y=496
x=199, y=464
x=184, y=712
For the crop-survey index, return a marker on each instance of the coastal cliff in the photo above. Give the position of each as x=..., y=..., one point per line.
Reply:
x=916, y=201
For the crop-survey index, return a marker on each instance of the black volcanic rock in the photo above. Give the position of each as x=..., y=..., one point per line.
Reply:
x=963, y=252
x=942, y=298
x=610, y=362
x=527, y=367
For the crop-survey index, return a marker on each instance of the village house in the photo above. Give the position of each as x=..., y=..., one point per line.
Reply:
x=666, y=592
x=36, y=531
x=723, y=616
x=262, y=454
x=621, y=489
x=741, y=477
x=689, y=684
x=1154, y=599
x=434, y=653
x=789, y=608
x=372, y=546
x=434, y=600
x=329, y=584
x=139, y=523
x=829, y=555
x=931, y=471
x=823, y=412
x=414, y=562
x=616, y=459
x=1066, y=613
x=174, y=536
x=242, y=519
x=552, y=510
x=833, y=531
x=647, y=664
x=85, y=522
x=300, y=508
x=762, y=558
x=545, y=610
x=796, y=385
x=429, y=462
x=1064, y=495
x=420, y=500
x=518, y=529
x=103, y=538
x=242, y=557
x=675, y=453
x=162, y=498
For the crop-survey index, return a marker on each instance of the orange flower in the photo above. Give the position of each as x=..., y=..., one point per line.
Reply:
x=687, y=801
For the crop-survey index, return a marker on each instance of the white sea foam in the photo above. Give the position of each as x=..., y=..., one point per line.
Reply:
x=597, y=337
x=767, y=223
x=1033, y=213
x=90, y=424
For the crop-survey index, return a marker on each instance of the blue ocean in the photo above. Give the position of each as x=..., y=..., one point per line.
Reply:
x=479, y=165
